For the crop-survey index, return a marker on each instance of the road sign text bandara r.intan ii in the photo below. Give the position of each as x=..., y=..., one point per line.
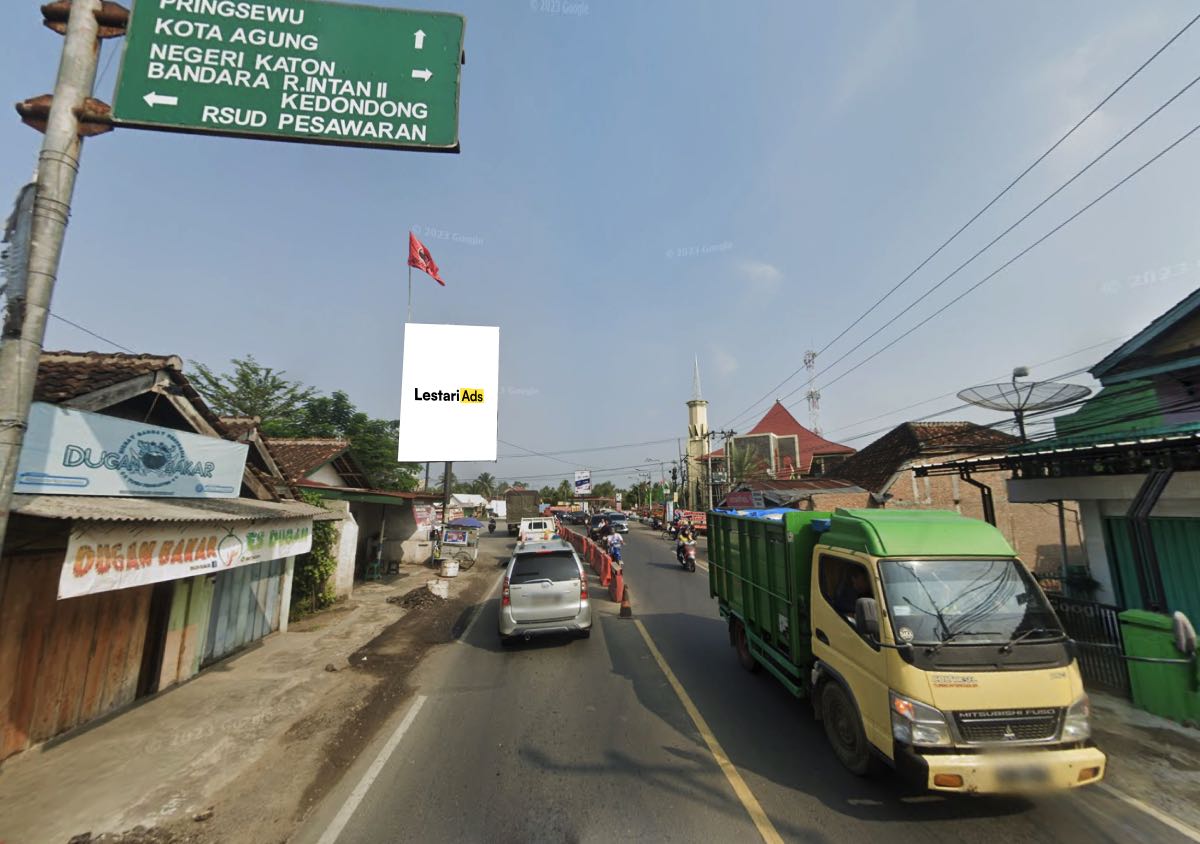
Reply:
x=294, y=70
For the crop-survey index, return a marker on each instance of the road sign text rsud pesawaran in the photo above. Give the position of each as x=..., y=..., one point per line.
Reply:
x=295, y=70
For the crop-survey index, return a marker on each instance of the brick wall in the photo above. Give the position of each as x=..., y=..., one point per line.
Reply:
x=1032, y=529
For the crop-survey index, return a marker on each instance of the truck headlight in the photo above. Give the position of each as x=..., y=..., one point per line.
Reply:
x=917, y=723
x=1077, y=724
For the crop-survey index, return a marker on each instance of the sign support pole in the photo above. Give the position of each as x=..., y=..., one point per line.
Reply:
x=58, y=165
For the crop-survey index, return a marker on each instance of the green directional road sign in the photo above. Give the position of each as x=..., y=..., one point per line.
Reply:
x=293, y=70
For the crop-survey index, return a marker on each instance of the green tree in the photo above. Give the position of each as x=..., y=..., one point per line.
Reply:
x=251, y=389
x=502, y=487
x=485, y=485
x=565, y=491
x=373, y=442
x=290, y=409
x=605, y=489
x=441, y=482
x=548, y=494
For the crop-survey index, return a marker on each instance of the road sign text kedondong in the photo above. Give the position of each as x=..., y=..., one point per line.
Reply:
x=294, y=70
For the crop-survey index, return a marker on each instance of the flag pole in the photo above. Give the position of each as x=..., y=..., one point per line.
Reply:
x=410, y=293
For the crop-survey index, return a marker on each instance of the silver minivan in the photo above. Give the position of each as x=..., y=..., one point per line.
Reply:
x=545, y=591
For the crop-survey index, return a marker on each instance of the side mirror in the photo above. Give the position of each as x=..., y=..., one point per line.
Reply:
x=866, y=617
x=1185, y=635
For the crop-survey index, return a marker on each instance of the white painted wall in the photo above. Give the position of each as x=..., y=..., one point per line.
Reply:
x=1107, y=497
x=326, y=475
x=345, y=548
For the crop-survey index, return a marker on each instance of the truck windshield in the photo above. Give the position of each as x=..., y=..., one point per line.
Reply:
x=965, y=602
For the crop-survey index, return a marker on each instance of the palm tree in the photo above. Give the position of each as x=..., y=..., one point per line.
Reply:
x=502, y=487
x=485, y=485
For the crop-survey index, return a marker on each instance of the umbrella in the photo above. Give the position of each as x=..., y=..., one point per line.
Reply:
x=466, y=522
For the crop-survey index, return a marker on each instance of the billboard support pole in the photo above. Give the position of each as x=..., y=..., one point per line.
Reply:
x=58, y=165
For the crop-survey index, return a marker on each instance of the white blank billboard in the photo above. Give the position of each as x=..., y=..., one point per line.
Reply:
x=449, y=393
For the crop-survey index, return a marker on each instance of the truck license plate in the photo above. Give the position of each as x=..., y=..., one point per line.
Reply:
x=1022, y=775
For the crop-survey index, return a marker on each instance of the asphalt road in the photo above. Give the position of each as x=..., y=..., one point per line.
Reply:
x=587, y=740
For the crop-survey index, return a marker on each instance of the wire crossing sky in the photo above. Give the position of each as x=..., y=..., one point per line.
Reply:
x=624, y=202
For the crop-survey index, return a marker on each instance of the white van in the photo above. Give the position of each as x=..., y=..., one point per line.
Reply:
x=537, y=529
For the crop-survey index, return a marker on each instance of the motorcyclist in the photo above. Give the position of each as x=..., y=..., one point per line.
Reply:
x=686, y=534
x=615, y=543
x=492, y=525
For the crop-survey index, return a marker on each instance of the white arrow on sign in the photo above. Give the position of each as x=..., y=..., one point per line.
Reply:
x=153, y=98
x=422, y=74
x=419, y=39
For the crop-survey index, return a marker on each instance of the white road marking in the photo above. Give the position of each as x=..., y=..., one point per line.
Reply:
x=471, y=624
x=1182, y=828
x=749, y=802
x=360, y=791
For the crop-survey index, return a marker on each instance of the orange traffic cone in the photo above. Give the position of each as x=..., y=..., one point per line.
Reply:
x=626, y=608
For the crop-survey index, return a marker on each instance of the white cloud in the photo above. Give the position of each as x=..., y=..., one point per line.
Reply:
x=873, y=57
x=725, y=363
x=1069, y=85
x=765, y=277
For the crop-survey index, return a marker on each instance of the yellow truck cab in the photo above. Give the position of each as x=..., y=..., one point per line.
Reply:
x=923, y=642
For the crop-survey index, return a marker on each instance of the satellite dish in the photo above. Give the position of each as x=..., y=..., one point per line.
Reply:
x=1020, y=398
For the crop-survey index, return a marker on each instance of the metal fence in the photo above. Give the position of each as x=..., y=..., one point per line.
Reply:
x=1097, y=631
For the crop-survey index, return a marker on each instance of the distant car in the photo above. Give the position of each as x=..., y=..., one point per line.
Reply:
x=620, y=522
x=545, y=591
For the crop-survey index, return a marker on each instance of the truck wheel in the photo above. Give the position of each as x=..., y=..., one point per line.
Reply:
x=742, y=644
x=844, y=730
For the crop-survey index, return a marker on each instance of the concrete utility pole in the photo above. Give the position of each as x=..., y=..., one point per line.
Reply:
x=446, y=493
x=58, y=165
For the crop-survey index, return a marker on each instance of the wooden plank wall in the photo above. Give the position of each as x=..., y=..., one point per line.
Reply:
x=187, y=630
x=62, y=663
x=245, y=608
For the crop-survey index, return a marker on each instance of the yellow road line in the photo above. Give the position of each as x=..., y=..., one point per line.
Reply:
x=765, y=828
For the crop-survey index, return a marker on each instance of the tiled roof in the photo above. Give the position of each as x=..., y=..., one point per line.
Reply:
x=780, y=422
x=874, y=466
x=800, y=485
x=240, y=426
x=299, y=456
x=63, y=376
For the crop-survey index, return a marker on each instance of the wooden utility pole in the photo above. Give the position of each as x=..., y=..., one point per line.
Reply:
x=58, y=165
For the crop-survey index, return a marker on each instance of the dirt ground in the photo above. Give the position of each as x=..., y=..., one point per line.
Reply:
x=267, y=802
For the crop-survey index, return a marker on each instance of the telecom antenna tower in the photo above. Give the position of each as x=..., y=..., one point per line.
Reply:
x=813, y=396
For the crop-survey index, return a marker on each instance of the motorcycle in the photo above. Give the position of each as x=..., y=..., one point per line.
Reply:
x=656, y=523
x=685, y=553
x=491, y=527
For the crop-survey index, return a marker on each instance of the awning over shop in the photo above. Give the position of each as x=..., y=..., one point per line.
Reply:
x=118, y=509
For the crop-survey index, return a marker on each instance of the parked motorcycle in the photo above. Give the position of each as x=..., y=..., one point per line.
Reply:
x=685, y=553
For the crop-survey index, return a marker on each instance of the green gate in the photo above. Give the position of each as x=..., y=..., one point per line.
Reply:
x=1177, y=545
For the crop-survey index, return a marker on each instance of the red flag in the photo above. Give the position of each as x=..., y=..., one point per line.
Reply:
x=419, y=257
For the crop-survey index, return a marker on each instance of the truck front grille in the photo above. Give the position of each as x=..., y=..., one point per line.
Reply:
x=1008, y=726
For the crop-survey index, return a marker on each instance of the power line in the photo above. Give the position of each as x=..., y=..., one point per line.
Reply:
x=947, y=395
x=93, y=333
x=1023, y=218
x=551, y=454
x=1007, y=263
x=582, y=450
x=979, y=213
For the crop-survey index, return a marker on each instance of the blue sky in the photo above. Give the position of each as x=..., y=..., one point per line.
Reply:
x=640, y=183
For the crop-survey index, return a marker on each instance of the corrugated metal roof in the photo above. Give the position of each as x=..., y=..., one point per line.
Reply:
x=103, y=508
